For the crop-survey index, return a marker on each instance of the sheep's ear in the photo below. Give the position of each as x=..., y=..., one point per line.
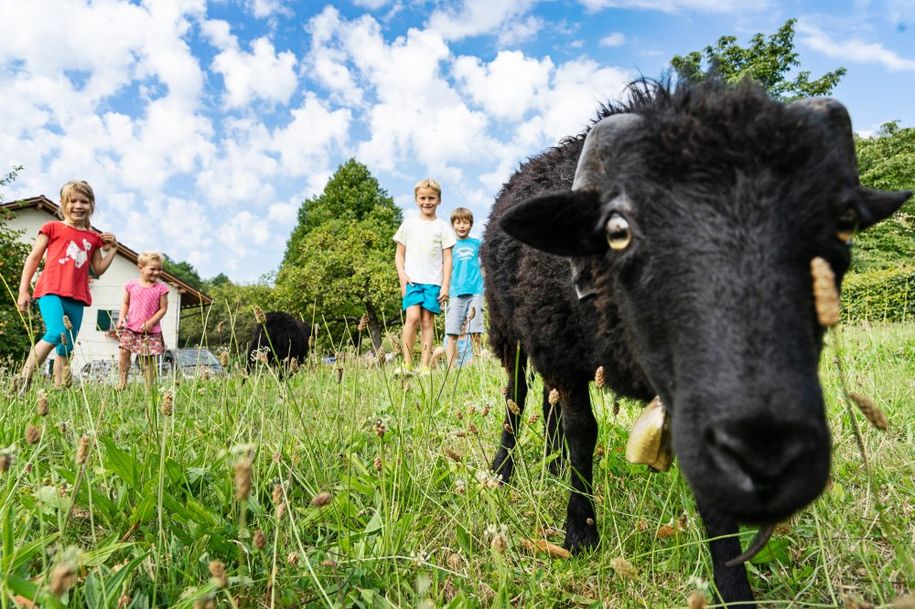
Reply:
x=563, y=224
x=876, y=205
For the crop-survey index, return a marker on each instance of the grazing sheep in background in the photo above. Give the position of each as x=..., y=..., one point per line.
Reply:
x=673, y=247
x=288, y=338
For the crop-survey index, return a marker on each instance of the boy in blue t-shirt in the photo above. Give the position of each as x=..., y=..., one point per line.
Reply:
x=465, y=309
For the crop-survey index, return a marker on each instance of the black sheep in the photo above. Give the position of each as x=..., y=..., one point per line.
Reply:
x=673, y=247
x=280, y=339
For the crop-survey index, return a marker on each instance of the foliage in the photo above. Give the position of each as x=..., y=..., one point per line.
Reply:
x=228, y=322
x=765, y=61
x=879, y=295
x=184, y=271
x=339, y=262
x=887, y=162
x=409, y=511
x=13, y=253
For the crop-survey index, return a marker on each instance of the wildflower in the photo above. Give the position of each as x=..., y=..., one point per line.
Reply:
x=499, y=543
x=624, y=568
x=220, y=326
x=825, y=294
x=379, y=428
x=599, y=379
x=460, y=486
x=277, y=493
x=512, y=406
x=292, y=559
x=204, y=603
x=487, y=479
x=42, y=406
x=167, y=404
x=330, y=564
x=62, y=578
x=224, y=358
x=553, y=398
x=485, y=411
x=82, y=450
x=377, y=464
x=67, y=324
x=473, y=429
x=6, y=461
x=339, y=371
x=32, y=434
x=363, y=322
x=616, y=407
x=322, y=499
x=664, y=531
x=63, y=338
x=124, y=601
x=454, y=456
x=218, y=574
x=508, y=427
x=243, y=479
x=697, y=600
x=535, y=416
x=293, y=364
x=454, y=561
x=870, y=410
x=259, y=316
x=260, y=540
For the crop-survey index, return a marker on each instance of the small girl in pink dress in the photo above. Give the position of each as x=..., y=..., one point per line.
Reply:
x=145, y=302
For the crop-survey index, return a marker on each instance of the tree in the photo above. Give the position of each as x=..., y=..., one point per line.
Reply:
x=339, y=260
x=13, y=252
x=887, y=162
x=184, y=271
x=229, y=321
x=765, y=61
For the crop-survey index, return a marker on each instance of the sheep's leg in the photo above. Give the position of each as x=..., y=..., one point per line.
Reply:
x=732, y=582
x=552, y=427
x=503, y=463
x=580, y=429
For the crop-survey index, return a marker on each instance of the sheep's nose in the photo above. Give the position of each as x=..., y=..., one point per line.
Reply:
x=757, y=456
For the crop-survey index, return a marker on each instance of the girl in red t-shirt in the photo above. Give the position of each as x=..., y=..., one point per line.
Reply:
x=62, y=290
x=145, y=303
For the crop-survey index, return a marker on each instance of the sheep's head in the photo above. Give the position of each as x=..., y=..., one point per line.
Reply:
x=694, y=223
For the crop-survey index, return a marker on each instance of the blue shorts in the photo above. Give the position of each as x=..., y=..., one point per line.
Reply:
x=53, y=308
x=424, y=295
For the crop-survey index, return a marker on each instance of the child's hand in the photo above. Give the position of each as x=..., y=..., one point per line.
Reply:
x=403, y=285
x=144, y=327
x=23, y=301
x=443, y=298
x=109, y=240
x=121, y=324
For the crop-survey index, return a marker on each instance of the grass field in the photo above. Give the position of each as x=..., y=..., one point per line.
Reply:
x=172, y=499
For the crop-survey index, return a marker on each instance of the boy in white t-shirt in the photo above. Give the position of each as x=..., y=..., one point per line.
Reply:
x=423, y=262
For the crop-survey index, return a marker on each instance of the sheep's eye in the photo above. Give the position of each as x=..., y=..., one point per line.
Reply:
x=619, y=235
x=847, y=224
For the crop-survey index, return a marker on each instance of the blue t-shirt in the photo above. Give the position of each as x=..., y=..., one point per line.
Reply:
x=465, y=268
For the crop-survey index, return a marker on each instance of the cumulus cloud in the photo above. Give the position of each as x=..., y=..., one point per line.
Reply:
x=616, y=39
x=508, y=86
x=263, y=73
x=474, y=17
x=853, y=50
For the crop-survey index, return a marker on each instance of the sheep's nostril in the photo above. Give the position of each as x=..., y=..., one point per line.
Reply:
x=756, y=457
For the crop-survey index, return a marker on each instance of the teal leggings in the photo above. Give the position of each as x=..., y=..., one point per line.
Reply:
x=53, y=308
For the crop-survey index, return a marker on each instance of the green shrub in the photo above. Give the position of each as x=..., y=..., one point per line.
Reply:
x=882, y=295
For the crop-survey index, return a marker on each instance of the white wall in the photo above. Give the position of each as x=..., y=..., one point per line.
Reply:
x=107, y=294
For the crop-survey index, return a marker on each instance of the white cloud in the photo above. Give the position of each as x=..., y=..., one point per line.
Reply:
x=265, y=8
x=616, y=39
x=305, y=144
x=508, y=86
x=283, y=213
x=674, y=6
x=475, y=17
x=372, y=5
x=516, y=32
x=853, y=50
x=261, y=74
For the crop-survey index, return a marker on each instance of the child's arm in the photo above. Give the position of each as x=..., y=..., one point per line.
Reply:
x=446, y=275
x=163, y=307
x=125, y=306
x=101, y=262
x=28, y=271
x=399, y=258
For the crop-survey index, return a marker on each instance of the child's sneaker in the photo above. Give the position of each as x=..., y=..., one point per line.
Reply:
x=403, y=371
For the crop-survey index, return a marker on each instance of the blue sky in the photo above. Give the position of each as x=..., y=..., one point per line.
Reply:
x=203, y=124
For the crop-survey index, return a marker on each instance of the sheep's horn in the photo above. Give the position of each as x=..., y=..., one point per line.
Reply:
x=762, y=537
x=836, y=116
x=595, y=165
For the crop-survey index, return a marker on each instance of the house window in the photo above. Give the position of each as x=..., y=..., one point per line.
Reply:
x=106, y=320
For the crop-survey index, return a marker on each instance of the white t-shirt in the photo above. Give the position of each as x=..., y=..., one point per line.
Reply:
x=424, y=242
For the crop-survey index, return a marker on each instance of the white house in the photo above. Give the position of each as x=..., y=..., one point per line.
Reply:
x=96, y=337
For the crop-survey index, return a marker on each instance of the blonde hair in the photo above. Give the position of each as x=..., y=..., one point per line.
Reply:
x=462, y=213
x=146, y=257
x=428, y=183
x=79, y=187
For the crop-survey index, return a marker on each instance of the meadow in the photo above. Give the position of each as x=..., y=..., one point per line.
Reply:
x=343, y=486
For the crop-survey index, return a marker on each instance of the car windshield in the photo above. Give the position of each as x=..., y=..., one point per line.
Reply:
x=195, y=357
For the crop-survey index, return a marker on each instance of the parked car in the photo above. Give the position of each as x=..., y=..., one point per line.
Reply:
x=104, y=371
x=192, y=361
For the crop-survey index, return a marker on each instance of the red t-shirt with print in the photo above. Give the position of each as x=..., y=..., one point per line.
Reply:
x=66, y=268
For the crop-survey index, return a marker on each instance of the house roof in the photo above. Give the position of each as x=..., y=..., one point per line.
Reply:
x=190, y=296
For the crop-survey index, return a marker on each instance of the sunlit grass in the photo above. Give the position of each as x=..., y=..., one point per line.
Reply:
x=155, y=507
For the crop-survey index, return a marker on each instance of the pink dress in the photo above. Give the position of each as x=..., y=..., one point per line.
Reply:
x=144, y=302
